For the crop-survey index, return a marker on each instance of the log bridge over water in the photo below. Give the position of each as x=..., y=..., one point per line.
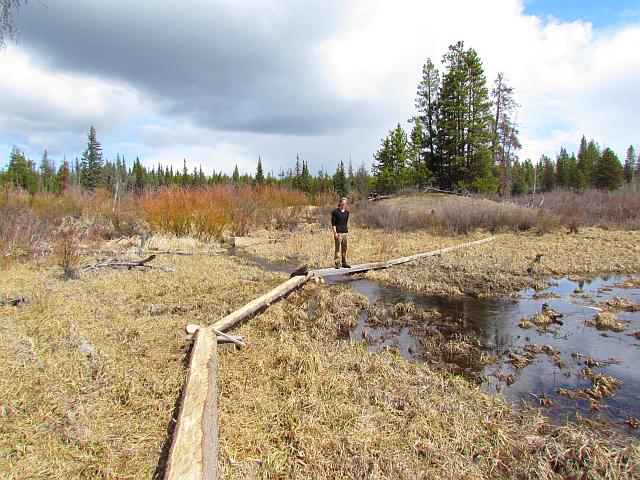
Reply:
x=194, y=449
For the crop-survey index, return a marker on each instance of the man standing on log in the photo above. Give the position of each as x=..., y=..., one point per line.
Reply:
x=339, y=220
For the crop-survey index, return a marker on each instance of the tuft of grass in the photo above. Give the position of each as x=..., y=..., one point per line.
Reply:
x=606, y=321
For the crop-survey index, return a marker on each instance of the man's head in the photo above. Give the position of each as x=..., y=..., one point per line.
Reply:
x=343, y=203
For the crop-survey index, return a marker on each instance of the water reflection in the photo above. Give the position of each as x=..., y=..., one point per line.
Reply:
x=494, y=323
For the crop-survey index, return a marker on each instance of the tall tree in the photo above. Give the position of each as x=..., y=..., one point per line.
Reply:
x=91, y=176
x=63, y=178
x=259, y=173
x=419, y=172
x=548, y=175
x=630, y=165
x=427, y=107
x=21, y=172
x=391, y=161
x=340, y=180
x=464, y=122
x=608, y=173
x=504, y=141
x=47, y=173
x=236, y=175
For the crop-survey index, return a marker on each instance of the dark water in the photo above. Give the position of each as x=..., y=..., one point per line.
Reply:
x=493, y=323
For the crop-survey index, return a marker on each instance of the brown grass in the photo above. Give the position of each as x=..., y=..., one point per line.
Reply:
x=90, y=370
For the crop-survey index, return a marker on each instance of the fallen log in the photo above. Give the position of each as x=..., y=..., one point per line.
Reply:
x=194, y=449
x=252, y=307
x=115, y=263
x=461, y=193
x=325, y=272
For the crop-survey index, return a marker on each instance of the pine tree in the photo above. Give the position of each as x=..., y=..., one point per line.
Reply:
x=63, y=178
x=91, y=169
x=548, y=175
x=427, y=107
x=504, y=142
x=419, y=154
x=259, y=173
x=608, y=174
x=236, y=175
x=21, y=172
x=562, y=168
x=47, y=173
x=464, y=133
x=305, y=178
x=630, y=165
x=390, y=167
x=340, y=180
x=138, y=176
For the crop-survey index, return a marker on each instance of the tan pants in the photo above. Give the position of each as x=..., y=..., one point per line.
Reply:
x=341, y=244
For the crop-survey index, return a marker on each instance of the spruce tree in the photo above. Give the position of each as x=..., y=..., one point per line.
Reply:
x=259, y=173
x=427, y=107
x=630, y=165
x=91, y=166
x=608, y=174
x=390, y=167
x=21, y=172
x=47, y=173
x=340, y=180
x=236, y=175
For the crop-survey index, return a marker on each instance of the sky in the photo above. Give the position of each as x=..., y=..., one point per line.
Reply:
x=218, y=83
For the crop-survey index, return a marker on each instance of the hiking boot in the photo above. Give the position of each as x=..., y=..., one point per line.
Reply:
x=346, y=265
x=338, y=266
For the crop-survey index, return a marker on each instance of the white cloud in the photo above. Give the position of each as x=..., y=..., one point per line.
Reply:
x=569, y=78
x=38, y=103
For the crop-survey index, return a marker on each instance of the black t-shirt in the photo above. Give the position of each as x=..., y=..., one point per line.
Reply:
x=339, y=219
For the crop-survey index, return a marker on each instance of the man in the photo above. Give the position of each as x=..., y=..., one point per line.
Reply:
x=339, y=220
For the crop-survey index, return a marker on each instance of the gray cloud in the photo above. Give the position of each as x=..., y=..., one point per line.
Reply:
x=238, y=66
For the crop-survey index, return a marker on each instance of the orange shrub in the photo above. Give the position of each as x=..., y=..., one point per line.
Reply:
x=207, y=212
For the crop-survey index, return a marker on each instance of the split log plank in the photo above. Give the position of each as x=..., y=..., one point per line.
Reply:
x=326, y=272
x=194, y=450
x=252, y=307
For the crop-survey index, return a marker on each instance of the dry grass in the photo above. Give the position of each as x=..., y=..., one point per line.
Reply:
x=302, y=403
x=90, y=369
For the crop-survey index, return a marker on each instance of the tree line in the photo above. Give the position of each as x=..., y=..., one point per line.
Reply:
x=466, y=137
x=92, y=171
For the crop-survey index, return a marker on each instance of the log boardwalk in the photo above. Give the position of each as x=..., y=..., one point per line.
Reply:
x=194, y=450
x=326, y=272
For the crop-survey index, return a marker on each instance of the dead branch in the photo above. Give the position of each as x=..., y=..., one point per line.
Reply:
x=16, y=301
x=116, y=263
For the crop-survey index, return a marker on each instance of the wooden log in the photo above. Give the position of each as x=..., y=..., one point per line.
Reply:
x=325, y=272
x=224, y=338
x=252, y=307
x=194, y=449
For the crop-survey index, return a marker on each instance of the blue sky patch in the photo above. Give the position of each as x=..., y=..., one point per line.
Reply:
x=599, y=13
